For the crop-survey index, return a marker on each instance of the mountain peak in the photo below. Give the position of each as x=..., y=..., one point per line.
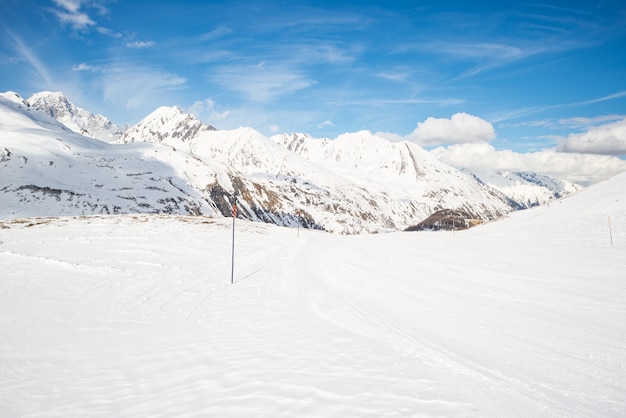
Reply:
x=42, y=95
x=59, y=107
x=167, y=124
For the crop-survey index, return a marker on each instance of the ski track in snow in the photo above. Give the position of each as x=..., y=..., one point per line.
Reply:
x=136, y=316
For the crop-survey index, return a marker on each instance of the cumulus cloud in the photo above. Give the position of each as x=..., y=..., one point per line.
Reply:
x=579, y=168
x=608, y=139
x=460, y=128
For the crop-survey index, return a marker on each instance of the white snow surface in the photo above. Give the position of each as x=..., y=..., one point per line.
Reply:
x=135, y=315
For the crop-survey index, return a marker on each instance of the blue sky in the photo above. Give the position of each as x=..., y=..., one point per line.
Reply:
x=516, y=76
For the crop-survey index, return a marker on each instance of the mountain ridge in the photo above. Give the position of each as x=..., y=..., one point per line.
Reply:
x=79, y=120
x=356, y=183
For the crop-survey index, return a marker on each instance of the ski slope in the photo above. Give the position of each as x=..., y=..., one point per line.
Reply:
x=135, y=315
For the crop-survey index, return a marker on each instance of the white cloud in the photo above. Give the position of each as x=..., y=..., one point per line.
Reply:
x=460, y=128
x=71, y=6
x=108, y=32
x=140, y=44
x=586, y=123
x=325, y=124
x=398, y=75
x=84, y=67
x=71, y=12
x=27, y=55
x=216, y=33
x=208, y=110
x=608, y=139
x=274, y=129
x=72, y=15
x=581, y=168
x=262, y=82
x=76, y=20
x=138, y=89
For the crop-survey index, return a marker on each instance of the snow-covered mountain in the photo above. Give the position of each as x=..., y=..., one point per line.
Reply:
x=400, y=164
x=526, y=189
x=171, y=162
x=166, y=125
x=403, y=170
x=56, y=105
x=48, y=170
x=360, y=183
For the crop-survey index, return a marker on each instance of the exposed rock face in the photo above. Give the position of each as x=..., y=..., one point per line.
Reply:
x=446, y=219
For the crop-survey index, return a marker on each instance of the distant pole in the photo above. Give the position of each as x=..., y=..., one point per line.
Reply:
x=232, y=266
x=298, y=221
x=610, y=232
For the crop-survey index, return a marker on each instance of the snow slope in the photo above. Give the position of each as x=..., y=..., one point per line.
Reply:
x=47, y=169
x=135, y=316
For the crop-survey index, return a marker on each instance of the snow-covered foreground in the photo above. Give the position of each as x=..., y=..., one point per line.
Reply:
x=136, y=316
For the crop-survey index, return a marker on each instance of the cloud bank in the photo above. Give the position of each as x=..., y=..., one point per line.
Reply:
x=585, y=158
x=575, y=167
x=609, y=139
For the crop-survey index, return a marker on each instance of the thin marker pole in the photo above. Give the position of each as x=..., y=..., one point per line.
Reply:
x=298, y=221
x=232, y=266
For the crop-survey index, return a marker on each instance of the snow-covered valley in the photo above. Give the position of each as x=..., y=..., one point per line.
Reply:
x=135, y=315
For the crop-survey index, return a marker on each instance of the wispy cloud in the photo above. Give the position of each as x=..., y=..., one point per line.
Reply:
x=527, y=111
x=316, y=53
x=74, y=14
x=26, y=54
x=138, y=88
x=262, y=82
x=216, y=33
x=325, y=124
x=72, y=6
x=108, y=32
x=400, y=75
x=380, y=101
x=208, y=110
x=70, y=14
x=140, y=44
x=587, y=123
x=84, y=67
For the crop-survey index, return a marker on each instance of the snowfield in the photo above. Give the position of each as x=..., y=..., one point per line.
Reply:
x=135, y=315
